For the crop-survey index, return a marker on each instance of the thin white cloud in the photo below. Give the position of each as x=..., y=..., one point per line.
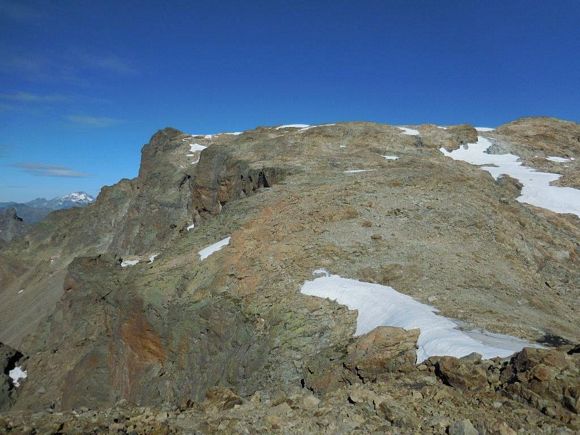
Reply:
x=27, y=97
x=94, y=121
x=44, y=170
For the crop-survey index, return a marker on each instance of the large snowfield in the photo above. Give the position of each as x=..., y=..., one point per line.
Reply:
x=380, y=305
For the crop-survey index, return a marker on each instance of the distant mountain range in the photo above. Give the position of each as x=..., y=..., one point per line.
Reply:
x=35, y=210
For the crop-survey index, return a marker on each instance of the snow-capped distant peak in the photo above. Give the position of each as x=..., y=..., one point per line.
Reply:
x=77, y=197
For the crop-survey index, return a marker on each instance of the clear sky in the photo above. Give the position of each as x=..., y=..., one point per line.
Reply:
x=85, y=83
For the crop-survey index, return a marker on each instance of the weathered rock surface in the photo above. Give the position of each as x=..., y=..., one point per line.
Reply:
x=229, y=344
x=11, y=226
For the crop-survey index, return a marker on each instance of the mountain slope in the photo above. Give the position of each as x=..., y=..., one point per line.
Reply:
x=293, y=200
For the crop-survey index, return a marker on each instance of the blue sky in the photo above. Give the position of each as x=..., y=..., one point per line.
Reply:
x=84, y=84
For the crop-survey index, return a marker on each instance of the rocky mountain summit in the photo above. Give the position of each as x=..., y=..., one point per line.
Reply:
x=177, y=301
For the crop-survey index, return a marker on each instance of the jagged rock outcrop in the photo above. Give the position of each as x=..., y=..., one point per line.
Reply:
x=11, y=226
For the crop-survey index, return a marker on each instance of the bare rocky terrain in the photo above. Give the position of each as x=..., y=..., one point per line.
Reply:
x=229, y=344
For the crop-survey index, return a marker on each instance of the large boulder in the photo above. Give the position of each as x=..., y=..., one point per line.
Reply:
x=384, y=349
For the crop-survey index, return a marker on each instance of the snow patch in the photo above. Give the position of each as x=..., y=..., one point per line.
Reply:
x=391, y=157
x=206, y=252
x=292, y=126
x=536, y=185
x=211, y=136
x=191, y=227
x=380, y=305
x=153, y=257
x=559, y=159
x=16, y=374
x=484, y=129
x=409, y=131
x=126, y=263
x=195, y=147
x=315, y=126
x=356, y=171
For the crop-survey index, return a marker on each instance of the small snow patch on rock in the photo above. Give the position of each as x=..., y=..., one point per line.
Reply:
x=17, y=374
x=409, y=131
x=127, y=263
x=206, y=252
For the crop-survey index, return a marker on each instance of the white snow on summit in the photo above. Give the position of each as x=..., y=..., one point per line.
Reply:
x=409, y=131
x=537, y=189
x=292, y=126
x=380, y=305
x=77, y=198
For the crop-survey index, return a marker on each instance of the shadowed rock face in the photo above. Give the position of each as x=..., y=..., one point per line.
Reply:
x=11, y=226
x=9, y=359
x=169, y=330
